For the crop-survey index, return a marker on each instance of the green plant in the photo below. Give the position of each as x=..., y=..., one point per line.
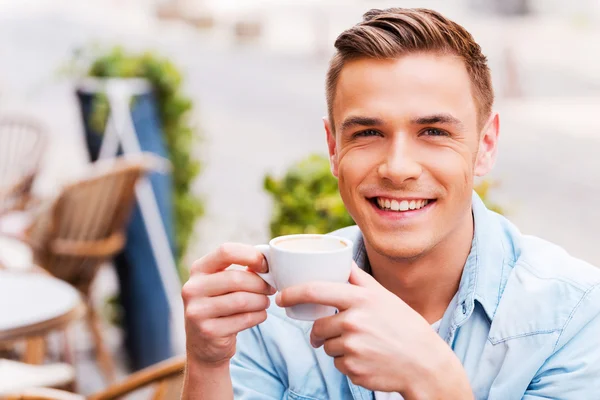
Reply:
x=180, y=135
x=306, y=199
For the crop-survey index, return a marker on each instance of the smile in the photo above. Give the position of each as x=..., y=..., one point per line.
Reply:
x=400, y=205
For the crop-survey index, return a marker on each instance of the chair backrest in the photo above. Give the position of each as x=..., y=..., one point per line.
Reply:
x=163, y=380
x=22, y=143
x=85, y=225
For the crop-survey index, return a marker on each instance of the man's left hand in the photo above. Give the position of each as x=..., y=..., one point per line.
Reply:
x=378, y=341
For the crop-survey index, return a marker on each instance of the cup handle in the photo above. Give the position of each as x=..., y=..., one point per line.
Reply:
x=267, y=277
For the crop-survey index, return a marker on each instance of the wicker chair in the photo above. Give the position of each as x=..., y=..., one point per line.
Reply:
x=166, y=377
x=22, y=144
x=84, y=227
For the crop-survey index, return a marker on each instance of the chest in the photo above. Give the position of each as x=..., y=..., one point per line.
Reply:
x=498, y=368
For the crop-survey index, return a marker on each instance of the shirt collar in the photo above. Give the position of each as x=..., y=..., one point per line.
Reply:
x=488, y=264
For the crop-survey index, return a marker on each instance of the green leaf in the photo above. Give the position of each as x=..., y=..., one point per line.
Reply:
x=306, y=199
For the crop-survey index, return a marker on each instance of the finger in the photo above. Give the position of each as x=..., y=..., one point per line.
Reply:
x=359, y=277
x=334, y=347
x=226, y=326
x=225, y=282
x=228, y=254
x=227, y=305
x=339, y=295
x=326, y=328
x=341, y=363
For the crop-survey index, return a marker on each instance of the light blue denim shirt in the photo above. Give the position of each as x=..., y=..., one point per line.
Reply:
x=525, y=323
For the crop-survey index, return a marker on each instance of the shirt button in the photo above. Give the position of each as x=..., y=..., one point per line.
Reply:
x=464, y=308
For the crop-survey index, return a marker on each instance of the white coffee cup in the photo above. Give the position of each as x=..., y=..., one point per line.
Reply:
x=297, y=259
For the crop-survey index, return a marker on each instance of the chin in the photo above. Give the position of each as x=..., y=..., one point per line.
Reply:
x=398, y=248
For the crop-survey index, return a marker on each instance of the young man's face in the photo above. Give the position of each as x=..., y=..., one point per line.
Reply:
x=406, y=148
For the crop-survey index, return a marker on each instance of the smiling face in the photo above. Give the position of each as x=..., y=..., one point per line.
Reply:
x=406, y=147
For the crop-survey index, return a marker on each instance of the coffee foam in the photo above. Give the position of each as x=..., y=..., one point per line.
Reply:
x=311, y=244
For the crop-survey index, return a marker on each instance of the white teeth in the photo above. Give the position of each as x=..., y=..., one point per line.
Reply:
x=403, y=205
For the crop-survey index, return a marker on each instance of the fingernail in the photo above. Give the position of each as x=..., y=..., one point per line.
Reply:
x=264, y=266
x=278, y=299
x=272, y=290
x=316, y=343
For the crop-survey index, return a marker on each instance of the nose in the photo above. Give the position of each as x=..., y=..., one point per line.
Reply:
x=399, y=163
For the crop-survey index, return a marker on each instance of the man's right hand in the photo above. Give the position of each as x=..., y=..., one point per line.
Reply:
x=219, y=303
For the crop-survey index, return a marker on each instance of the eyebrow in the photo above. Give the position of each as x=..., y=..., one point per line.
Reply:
x=351, y=122
x=442, y=118
x=437, y=119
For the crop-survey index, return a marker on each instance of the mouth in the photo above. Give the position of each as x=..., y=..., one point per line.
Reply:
x=400, y=205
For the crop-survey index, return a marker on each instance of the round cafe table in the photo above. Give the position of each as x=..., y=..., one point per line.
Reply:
x=33, y=304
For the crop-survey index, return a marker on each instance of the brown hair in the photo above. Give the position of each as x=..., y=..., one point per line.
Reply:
x=391, y=33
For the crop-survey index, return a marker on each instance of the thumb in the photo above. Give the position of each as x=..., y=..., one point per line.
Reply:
x=359, y=277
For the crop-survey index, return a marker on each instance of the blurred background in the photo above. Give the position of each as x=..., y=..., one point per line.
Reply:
x=233, y=97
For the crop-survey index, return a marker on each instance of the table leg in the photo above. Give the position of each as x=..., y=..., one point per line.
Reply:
x=35, y=350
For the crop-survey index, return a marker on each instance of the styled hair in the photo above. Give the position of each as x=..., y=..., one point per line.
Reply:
x=394, y=32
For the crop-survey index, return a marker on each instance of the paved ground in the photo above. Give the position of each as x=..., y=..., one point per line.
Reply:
x=260, y=108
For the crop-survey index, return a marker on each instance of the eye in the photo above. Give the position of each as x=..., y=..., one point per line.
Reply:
x=367, y=132
x=435, y=132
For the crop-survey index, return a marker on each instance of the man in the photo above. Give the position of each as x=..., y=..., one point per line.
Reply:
x=448, y=300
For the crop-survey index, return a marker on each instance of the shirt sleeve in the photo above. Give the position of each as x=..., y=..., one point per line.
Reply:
x=573, y=371
x=253, y=373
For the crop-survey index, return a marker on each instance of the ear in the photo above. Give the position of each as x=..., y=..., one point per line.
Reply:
x=488, y=146
x=333, y=158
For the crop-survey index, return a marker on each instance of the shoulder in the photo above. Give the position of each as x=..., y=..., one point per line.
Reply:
x=546, y=260
x=547, y=290
x=566, y=284
x=541, y=260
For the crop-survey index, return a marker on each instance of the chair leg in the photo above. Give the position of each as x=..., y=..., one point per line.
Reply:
x=35, y=350
x=160, y=391
x=68, y=356
x=102, y=354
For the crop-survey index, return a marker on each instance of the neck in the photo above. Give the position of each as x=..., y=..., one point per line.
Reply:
x=427, y=283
